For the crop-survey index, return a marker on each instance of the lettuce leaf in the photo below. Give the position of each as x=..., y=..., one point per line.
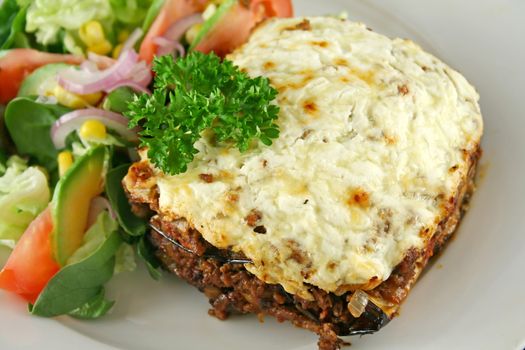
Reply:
x=130, y=11
x=48, y=17
x=78, y=288
x=24, y=193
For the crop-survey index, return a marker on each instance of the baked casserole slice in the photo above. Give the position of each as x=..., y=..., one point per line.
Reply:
x=331, y=225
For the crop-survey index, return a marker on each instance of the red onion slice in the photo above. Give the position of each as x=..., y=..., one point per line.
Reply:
x=170, y=41
x=102, y=62
x=135, y=36
x=99, y=204
x=87, y=82
x=177, y=29
x=73, y=121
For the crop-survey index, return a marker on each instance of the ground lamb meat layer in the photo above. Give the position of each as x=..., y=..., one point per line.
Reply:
x=232, y=289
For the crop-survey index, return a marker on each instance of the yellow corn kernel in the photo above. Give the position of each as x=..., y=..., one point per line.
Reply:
x=101, y=48
x=91, y=99
x=123, y=35
x=117, y=50
x=91, y=33
x=92, y=130
x=65, y=159
x=67, y=98
x=72, y=100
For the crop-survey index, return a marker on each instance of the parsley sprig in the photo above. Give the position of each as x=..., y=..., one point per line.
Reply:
x=196, y=93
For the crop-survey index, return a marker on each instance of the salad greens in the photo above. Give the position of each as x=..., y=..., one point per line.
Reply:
x=118, y=100
x=81, y=281
x=196, y=93
x=152, y=13
x=29, y=123
x=97, y=307
x=12, y=22
x=24, y=193
x=130, y=223
x=48, y=18
x=66, y=143
x=130, y=11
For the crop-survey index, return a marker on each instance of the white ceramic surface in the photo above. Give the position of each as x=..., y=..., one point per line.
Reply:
x=472, y=298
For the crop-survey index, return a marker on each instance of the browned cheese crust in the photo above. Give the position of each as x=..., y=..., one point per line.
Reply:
x=232, y=289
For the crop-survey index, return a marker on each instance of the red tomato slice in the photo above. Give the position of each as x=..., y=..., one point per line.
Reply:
x=16, y=64
x=277, y=8
x=31, y=264
x=171, y=12
x=235, y=27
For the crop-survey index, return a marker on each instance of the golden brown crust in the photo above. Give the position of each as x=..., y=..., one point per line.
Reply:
x=232, y=288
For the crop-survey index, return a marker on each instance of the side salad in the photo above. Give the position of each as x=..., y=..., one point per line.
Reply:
x=83, y=84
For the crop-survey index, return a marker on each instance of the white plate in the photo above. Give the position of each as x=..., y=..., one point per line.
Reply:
x=473, y=297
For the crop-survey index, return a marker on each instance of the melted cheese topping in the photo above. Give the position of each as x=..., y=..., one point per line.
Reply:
x=374, y=136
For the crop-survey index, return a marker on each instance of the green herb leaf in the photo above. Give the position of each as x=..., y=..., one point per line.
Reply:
x=131, y=224
x=198, y=93
x=88, y=270
x=95, y=308
x=145, y=251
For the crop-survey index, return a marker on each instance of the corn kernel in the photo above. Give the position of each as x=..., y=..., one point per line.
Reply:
x=91, y=33
x=117, y=50
x=65, y=159
x=101, y=48
x=67, y=98
x=92, y=130
x=91, y=99
x=123, y=35
x=72, y=100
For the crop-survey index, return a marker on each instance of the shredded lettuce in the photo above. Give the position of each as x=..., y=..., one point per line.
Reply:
x=48, y=17
x=95, y=236
x=130, y=11
x=24, y=193
x=125, y=259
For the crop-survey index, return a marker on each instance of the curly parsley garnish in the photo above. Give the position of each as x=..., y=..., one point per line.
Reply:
x=196, y=93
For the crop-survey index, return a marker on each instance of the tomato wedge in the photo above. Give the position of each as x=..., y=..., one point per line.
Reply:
x=16, y=64
x=276, y=8
x=31, y=264
x=234, y=28
x=171, y=12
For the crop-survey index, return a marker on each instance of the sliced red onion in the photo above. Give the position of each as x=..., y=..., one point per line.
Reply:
x=89, y=66
x=73, y=121
x=168, y=47
x=87, y=82
x=101, y=61
x=177, y=29
x=142, y=74
x=99, y=204
x=131, y=84
x=170, y=41
x=135, y=36
x=165, y=46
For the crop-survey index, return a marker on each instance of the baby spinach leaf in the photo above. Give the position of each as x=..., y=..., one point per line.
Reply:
x=8, y=13
x=14, y=35
x=95, y=308
x=29, y=124
x=145, y=251
x=87, y=271
x=131, y=224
